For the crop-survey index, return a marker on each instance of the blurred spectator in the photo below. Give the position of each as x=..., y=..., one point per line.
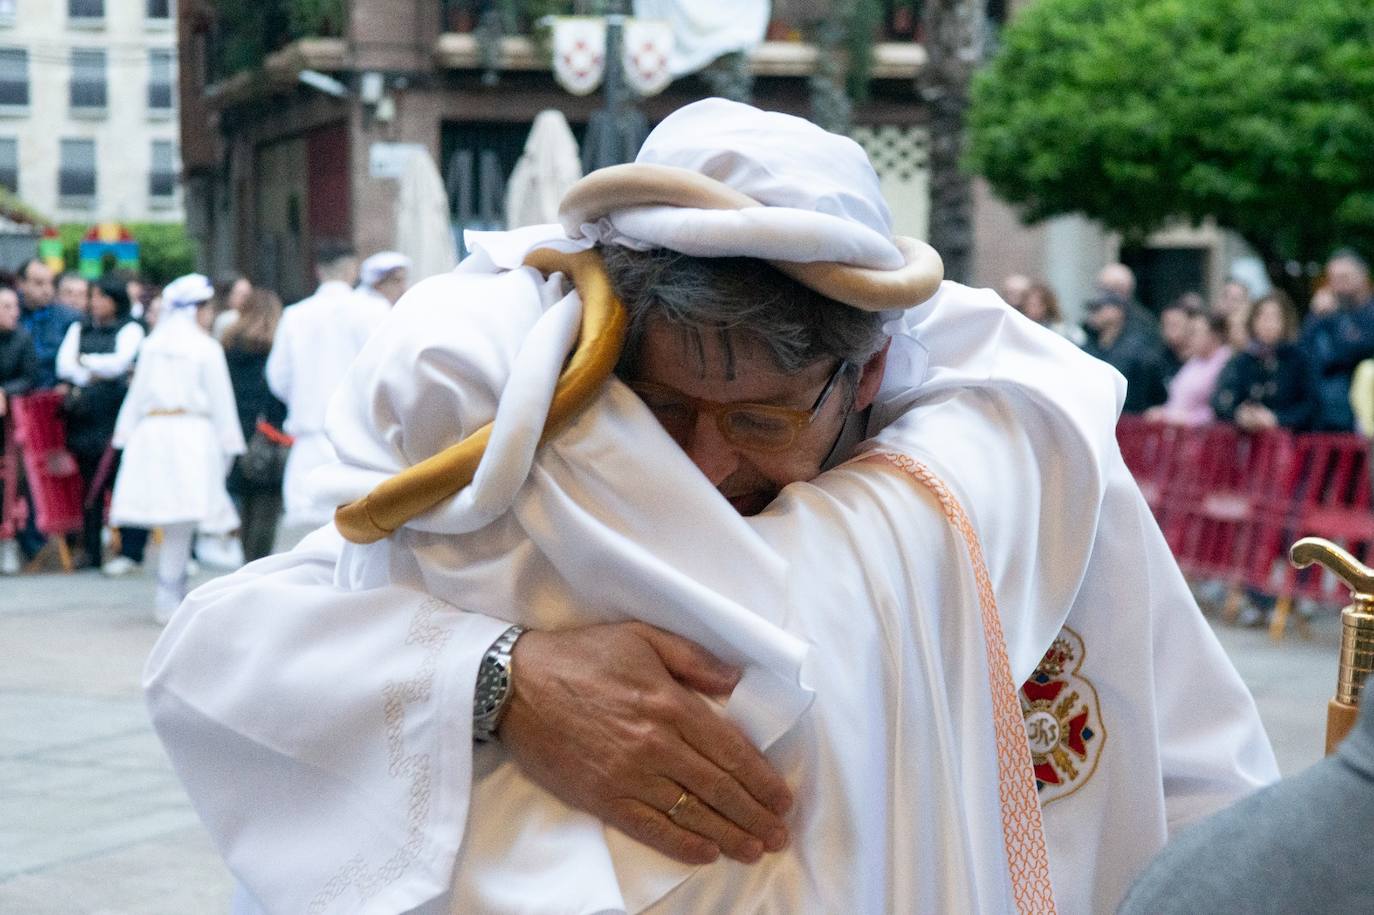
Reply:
x=1338, y=341
x=1129, y=349
x=1234, y=305
x=1191, y=390
x=17, y=367
x=1323, y=302
x=45, y=320
x=96, y=358
x=1041, y=305
x=384, y=277
x=1269, y=383
x=73, y=291
x=1119, y=280
x=1176, y=332
x=1013, y=290
x=224, y=308
x=18, y=363
x=255, y=480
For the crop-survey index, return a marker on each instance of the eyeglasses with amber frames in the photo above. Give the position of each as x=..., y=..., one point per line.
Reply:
x=752, y=426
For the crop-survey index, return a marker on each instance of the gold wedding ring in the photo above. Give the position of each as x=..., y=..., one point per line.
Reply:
x=679, y=806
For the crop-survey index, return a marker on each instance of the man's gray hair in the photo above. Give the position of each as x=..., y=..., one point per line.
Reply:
x=737, y=295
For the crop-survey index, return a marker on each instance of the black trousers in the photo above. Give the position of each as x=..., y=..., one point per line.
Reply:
x=132, y=540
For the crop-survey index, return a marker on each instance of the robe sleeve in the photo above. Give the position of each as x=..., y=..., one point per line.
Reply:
x=324, y=735
x=118, y=363
x=278, y=369
x=69, y=367
x=223, y=411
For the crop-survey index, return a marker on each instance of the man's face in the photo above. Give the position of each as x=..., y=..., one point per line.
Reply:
x=750, y=480
x=1348, y=280
x=1176, y=328
x=36, y=286
x=393, y=285
x=72, y=293
x=9, y=310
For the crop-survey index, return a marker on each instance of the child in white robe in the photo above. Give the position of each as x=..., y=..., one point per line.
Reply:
x=179, y=431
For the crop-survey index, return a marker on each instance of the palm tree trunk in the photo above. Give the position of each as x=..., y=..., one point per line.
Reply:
x=954, y=31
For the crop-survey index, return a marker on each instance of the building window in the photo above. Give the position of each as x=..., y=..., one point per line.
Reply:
x=9, y=164
x=159, y=9
x=76, y=173
x=160, y=81
x=14, y=77
x=88, y=79
x=162, y=177
x=7, y=12
x=87, y=10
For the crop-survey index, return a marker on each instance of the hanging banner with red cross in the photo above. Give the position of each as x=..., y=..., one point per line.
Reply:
x=579, y=52
x=1063, y=720
x=648, y=45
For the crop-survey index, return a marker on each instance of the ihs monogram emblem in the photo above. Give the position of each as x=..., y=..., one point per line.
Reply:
x=1063, y=720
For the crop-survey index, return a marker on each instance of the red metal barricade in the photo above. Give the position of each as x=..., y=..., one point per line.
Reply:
x=13, y=511
x=54, y=481
x=1331, y=499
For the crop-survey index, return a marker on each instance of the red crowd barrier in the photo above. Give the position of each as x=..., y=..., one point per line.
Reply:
x=54, y=481
x=1230, y=503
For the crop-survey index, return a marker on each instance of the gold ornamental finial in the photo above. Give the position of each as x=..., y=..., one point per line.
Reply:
x=1357, y=630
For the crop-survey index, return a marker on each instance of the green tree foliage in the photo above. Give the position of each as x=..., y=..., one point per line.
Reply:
x=1259, y=113
x=248, y=32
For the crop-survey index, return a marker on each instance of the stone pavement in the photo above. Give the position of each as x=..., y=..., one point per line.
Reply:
x=93, y=822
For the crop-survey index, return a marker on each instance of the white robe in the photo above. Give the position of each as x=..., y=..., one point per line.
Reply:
x=178, y=427
x=316, y=341
x=335, y=768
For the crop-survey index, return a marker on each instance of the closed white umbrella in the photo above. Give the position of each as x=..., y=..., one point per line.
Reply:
x=423, y=230
x=549, y=166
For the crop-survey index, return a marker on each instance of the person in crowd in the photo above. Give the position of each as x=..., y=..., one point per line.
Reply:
x=231, y=295
x=1323, y=302
x=96, y=359
x=18, y=361
x=44, y=319
x=18, y=367
x=319, y=706
x=316, y=341
x=384, y=278
x=1234, y=304
x=1041, y=305
x=1191, y=389
x=1340, y=340
x=73, y=291
x=247, y=341
x=1268, y=384
x=1119, y=280
x=178, y=429
x=1013, y=290
x=1176, y=331
x=1128, y=348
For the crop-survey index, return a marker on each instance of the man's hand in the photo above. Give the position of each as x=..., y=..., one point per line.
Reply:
x=605, y=717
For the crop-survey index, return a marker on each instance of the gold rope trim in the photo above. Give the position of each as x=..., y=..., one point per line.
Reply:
x=421, y=487
x=1023, y=828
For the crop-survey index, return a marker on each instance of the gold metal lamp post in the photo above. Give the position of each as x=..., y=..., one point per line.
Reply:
x=1357, y=631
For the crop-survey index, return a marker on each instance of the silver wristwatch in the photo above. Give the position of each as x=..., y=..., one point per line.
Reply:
x=493, y=685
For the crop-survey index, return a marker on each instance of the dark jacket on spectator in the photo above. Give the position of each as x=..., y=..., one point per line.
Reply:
x=18, y=362
x=1335, y=343
x=1139, y=357
x=247, y=375
x=47, y=326
x=1280, y=379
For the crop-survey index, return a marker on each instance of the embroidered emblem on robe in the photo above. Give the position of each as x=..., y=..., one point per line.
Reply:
x=1063, y=720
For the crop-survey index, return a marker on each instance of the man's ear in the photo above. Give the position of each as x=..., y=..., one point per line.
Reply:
x=871, y=378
